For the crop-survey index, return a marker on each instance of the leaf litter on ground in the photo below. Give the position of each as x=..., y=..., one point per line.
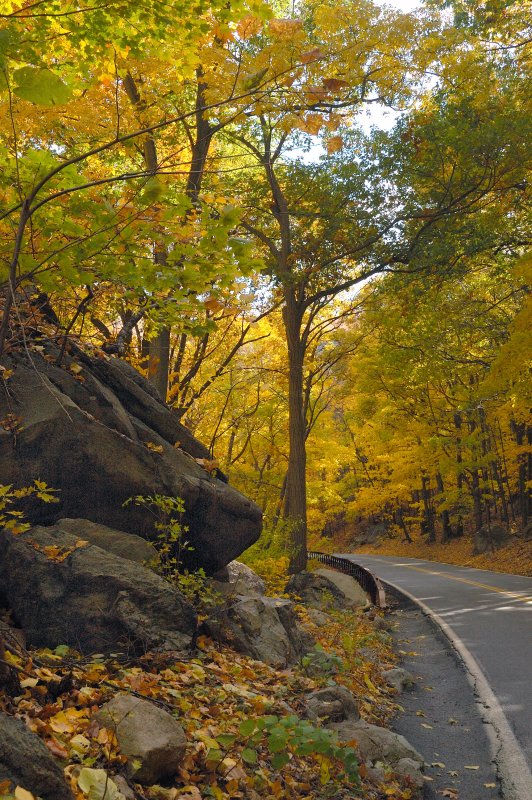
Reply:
x=217, y=696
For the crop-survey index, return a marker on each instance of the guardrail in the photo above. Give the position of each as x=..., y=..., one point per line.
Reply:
x=369, y=582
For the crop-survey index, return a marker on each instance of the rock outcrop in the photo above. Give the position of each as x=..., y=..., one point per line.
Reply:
x=63, y=591
x=265, y=628
x=151, y=739
x=26, y=762
x=327, y=589
x=125, y=545
x=94, y=429
x=237, y=578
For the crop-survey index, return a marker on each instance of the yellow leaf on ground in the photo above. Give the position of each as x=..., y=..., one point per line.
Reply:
x=23, y=794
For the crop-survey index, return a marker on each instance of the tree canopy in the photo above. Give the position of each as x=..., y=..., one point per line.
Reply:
x=337, y=307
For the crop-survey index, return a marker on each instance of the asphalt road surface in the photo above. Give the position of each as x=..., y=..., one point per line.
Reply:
x=488, y=618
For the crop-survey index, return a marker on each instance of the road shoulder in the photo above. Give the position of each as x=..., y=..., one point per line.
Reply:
x=441, y=716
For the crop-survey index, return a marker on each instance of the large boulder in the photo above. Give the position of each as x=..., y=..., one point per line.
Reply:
x=26, y=762
x=327, y=589
x=125, y=545
x=63, y=591
x=151, y=739
x=94, y=429
x=265, y=628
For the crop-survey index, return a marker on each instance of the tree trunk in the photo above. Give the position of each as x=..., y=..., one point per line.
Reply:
x=159, y=359
x=427, y=525
x=525, y=469
x=447, y=531
x=477, y=499
x=295, y=508
x=400, y=522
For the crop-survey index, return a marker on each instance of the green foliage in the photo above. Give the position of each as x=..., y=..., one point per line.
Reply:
x=170, y=533
x=41, y=86
x=283, y=736
x=171, y=544
x=320, y=663
x=12, y=519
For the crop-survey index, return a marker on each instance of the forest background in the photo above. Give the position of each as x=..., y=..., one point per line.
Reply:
x=338, y=309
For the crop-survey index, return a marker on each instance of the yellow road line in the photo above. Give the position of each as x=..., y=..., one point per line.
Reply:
x=513, y=595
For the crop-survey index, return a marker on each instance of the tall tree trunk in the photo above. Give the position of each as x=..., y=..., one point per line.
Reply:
x=159, y=360
x=295, y=508
x=428, y=513
x=447, y=531
x=400, y=522
x=477, y=499
x=525, y=470
x=159, y=346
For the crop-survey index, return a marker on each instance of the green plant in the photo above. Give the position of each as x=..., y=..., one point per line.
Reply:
x=319, y=663
x=12, y=519
x=170, y=533
x=197, y=589
x=284, y=737
x=171, y=543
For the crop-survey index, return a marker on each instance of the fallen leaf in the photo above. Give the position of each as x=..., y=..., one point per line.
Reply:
x=56, y=748
x=471, y=766
x=451, y=793
x=438, y=764
x=490, y=785
x=157, y=448
x=425, y=725
x=23, y=794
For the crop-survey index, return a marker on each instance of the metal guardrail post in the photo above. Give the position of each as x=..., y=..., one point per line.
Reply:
x=369, y=582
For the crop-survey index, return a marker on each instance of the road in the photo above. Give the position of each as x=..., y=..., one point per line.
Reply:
x=488, y=617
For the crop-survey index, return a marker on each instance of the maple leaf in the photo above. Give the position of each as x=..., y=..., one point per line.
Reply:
x=334, y=144
x=333, y=85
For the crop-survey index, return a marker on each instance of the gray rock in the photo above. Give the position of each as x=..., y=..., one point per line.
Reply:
x=92, y=600
x=265, y=628
x=87, y=437
x=153, y=741
x=123, y=786
x=411, y=769
x=237, y=578
x=331, y=704
x=376, y=744
x=398, y=678
x=125, y=545
x=489, y=539
x=376, y=774
x=327, y=589
x=319, y=618
x=26, y=761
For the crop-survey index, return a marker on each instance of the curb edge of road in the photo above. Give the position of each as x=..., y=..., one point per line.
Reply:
x=512, y=767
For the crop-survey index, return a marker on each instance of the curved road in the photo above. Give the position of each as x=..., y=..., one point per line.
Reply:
x=488, y=617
